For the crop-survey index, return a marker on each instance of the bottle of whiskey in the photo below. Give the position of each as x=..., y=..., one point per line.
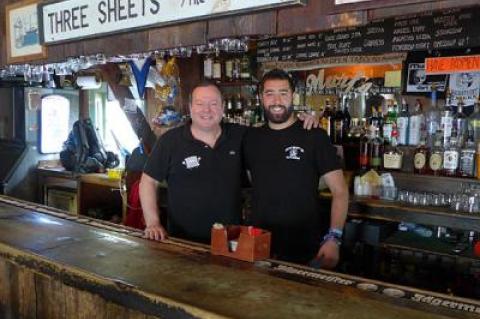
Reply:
x=390, y=119
x=435, y=162
x=208, y=67
x=337, y=127
x=467, y=159
x=217, y=69
x=393, y=156
x=446, y=119
x=451, y=158
x=474, y=122
x=326, y=117
x=432, y=118
x=420, y=158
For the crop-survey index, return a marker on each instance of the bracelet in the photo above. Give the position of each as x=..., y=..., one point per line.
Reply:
x=334, y=234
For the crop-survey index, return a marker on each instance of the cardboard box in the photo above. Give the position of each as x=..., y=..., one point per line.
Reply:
x=241, y=242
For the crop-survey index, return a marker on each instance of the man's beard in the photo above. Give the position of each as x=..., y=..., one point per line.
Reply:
x=280, y=117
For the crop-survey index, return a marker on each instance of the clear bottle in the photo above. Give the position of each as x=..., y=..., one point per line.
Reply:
x=245, y=70
x=229, y=69
x=416, y=124
x=393, y=156
x=451, y=158
x=217, y=69
x=467, y=159
x=230, y=112
x=474, y=122
x=432, y=118
x=208, y=67
x=402, y=124
x=420, y=158
x=460, y=123
x=446, y=119
x=347, y=119
x=376, y=150
x=435, y=162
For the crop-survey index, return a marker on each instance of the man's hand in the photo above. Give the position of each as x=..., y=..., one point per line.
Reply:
x=328, y=254
x=155, y=232
x=309, y=121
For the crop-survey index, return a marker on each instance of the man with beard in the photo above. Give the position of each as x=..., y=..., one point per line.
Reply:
x=286, y=163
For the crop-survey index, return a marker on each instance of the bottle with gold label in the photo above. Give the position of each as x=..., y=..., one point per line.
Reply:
x=420, y=158
x=435, y=162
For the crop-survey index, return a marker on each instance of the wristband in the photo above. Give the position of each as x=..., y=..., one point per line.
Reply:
x=334, y=234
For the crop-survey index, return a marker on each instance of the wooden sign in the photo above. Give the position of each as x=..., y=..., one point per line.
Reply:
x=74, y=19
x=456, y=64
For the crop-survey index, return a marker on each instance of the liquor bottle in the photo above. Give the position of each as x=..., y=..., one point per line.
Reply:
x=208, y=67
x=238, y=109
x=229, y=69
x=402, y=124
x=393, y=156
x=416, y=124
x=420, y=158
x=432, y=118
x=326, y=117
x=217, y=69
x=376, y=150
x=236, y=69
x=451, y=158
x=446, y=119
x=390, y=120
x=347, y=119
x=435, y=162
x=364, y=153
x=244, y=65
x=460, y=123
x=374, y=119
x=474, y=122
x=229, y=110
x=337, y=127
x=467, y=159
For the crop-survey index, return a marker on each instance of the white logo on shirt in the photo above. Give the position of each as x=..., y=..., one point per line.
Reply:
x=192, y=162
x=232, y=152
x=293, y=152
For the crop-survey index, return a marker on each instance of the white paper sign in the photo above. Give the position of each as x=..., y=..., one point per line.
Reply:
x=73, y=19
x=465, y=85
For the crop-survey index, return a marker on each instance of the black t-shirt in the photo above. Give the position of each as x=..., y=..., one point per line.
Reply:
x=286, y=166
x=204, y=183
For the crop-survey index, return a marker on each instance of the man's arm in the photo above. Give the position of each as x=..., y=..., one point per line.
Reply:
x=329, y=251
x=148, y=198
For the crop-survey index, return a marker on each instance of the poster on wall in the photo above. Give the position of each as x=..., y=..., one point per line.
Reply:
x=419, y=82
x=22, y=34
x=464, y=86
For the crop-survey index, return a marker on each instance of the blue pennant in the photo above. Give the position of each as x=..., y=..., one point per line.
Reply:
x=141, y=75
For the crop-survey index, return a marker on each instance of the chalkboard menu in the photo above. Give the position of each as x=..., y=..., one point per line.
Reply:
x=449, y=29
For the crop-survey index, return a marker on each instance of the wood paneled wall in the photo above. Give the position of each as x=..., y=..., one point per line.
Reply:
x=316, y=16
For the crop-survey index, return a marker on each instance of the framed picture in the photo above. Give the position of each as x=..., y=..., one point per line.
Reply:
x=23, y=32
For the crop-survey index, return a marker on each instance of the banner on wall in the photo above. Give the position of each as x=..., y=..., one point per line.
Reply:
x=74, y=19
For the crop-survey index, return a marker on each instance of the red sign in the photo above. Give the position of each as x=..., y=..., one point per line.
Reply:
x=456, y=64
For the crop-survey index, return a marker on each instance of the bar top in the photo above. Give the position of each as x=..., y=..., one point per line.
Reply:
x=160, y=277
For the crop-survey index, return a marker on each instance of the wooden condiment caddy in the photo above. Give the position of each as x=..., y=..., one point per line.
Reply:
x=240, y=242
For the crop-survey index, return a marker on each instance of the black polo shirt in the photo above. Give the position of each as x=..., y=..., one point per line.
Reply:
x=286, y=166
x=204, y=183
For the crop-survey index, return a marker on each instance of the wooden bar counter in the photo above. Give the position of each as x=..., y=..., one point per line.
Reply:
x=54, y=265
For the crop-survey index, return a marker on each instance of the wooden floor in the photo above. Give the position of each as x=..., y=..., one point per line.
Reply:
x=51, y=267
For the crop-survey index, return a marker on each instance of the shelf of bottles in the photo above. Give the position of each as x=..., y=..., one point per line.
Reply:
x=234, y=75
x=440, y=140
